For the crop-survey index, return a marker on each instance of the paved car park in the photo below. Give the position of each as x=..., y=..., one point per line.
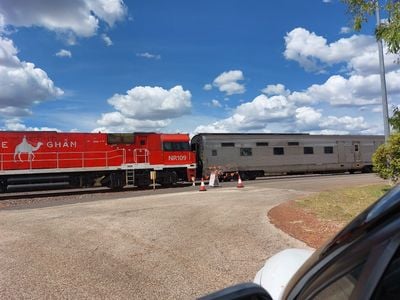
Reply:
x=176, y=245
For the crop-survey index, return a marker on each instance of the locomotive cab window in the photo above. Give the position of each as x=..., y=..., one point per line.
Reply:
x=176, y=146
x=246, y=152
x=120, y=138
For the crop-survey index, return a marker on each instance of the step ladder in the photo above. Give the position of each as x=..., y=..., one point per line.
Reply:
x=130, y=177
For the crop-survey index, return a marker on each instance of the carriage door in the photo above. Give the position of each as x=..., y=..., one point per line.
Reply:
x=357, y=151
x=141, y=153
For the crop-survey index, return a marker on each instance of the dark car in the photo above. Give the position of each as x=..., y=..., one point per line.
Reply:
x=361, y=262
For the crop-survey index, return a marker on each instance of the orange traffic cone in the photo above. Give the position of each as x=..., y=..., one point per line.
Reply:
x=202, y=186
x=240, y=183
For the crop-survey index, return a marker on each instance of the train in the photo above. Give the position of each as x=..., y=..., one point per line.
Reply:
x=251, y=155
x=50, y=159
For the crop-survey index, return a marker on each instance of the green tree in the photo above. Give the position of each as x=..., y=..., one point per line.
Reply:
x=394, y=121
x=386, y=159
x=388, y=31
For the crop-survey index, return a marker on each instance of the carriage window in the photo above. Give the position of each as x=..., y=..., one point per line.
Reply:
x=227, y=144
x=262, y=144
x=214, y=152
x=328, y=150
x=279, y=151
x=176, y=146
x=246, y=152
x=293, y=143
x=308, y=150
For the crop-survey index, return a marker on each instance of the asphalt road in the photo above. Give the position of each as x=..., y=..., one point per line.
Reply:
x=176, y=244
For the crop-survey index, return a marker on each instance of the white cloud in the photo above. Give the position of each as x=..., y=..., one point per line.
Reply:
x=276, y=113
x=312, y=120
x=253, y=116
x=207, y=87
x=307, y=116
x=110, y=11
x=264, y=108
x=117, y=122
x=79, y=17
x=12, y=111
x=313, y=53
x=348, y=123
x=310, y=110
x=377, y=109
x=215, y=103
x=8, y=54
x=15, y=124
x=153, y=103
x=216, y=127
x=146, y=108
x=148, y=55
x=106, y=39
x=64, y=53
x=330, y=132
x=345, y=30
x=21, y=83
x=227, y=82
x=276, y=89
x=356, y=90
x=2, y=24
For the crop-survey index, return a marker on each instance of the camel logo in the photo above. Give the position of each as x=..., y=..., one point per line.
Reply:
x=25, y=147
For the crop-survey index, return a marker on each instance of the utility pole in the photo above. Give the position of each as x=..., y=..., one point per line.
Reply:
x=383, y=79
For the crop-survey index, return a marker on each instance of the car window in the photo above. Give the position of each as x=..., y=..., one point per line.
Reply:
x=389, y=286
x=342, y=288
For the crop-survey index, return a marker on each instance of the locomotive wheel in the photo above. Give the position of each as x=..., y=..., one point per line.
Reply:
x=168, y=179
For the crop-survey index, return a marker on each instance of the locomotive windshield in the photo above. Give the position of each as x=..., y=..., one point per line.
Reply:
x=176, y=146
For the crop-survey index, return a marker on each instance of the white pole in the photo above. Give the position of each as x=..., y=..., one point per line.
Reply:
x=383, y=79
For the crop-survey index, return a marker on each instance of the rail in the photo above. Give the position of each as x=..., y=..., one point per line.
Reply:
x=62, y=160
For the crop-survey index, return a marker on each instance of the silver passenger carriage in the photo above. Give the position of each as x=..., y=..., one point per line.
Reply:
x=257, y=154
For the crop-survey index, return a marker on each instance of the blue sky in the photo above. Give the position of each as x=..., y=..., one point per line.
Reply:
x=189, y=66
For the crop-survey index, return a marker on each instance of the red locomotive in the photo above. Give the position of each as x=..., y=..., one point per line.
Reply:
x=93, y=159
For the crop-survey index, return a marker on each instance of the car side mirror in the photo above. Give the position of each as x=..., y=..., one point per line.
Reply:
x=244, y=291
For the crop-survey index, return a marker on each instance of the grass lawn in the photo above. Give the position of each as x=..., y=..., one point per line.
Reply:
x=344, y=204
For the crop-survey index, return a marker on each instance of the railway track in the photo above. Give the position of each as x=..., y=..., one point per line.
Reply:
x=83, y=193
x=61, y=196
